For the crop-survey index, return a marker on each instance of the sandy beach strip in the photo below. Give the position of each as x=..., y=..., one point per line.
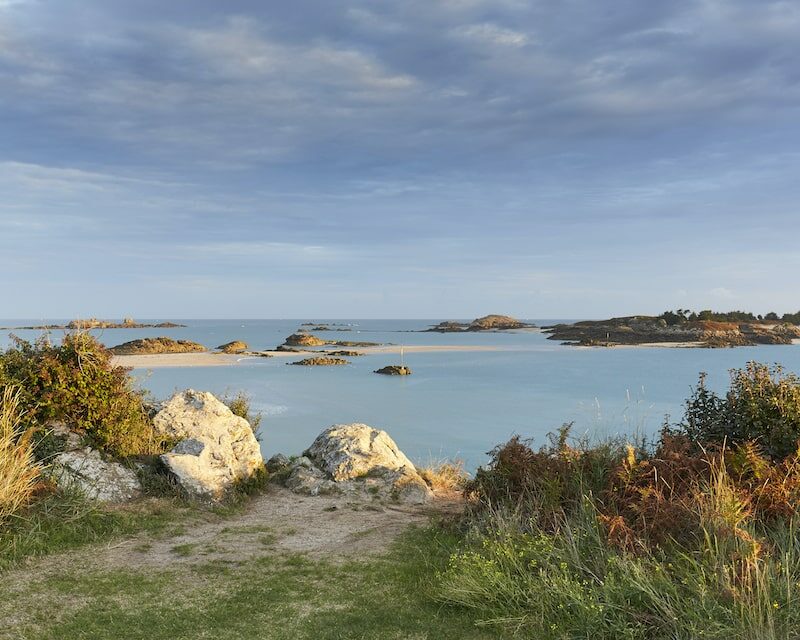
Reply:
x=222, y=359
x=176, y=360
x=663, y=345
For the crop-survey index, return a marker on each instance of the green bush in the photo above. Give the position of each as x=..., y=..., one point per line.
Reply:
x=761, y=406
x=694, y=536
x=77, y=384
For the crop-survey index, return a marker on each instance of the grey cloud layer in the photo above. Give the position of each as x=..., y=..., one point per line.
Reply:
x=504, y=129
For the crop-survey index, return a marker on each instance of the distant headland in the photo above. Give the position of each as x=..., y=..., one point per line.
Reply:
x=94, y=323
x=706, y=329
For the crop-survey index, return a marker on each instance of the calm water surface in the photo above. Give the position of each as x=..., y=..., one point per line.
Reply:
x=456, y=404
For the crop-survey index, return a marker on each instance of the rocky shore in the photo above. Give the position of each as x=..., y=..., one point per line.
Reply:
x=645, y=330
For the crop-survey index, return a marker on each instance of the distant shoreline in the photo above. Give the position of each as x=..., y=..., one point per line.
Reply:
x=211, y=359
x=215, y=359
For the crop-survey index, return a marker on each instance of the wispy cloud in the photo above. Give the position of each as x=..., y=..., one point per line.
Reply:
x=634, y=149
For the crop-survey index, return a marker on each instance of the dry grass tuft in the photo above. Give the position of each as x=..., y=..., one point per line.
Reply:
x=19, y=470
x=444, y=475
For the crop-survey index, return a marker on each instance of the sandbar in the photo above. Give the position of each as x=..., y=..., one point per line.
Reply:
x=223, y=359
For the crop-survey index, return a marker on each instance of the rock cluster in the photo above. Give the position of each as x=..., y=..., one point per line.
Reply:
x=355, y=457
x=162, y=344
x=319, y=362
x=214, y=449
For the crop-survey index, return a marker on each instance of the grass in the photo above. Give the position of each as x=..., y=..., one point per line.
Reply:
x=607, y=542
x=19, y=470
x=65, y=521
x=444, y=475
x=286, y=596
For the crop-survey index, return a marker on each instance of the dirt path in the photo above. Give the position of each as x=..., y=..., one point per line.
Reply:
x=282, y=564
x=333, y=527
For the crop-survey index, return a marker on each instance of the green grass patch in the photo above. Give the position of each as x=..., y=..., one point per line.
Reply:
x=276, y=596
x=66, y=521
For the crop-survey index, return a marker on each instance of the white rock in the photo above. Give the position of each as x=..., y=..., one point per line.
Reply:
x=215, y=449
x=96, y=478
x=347, y=452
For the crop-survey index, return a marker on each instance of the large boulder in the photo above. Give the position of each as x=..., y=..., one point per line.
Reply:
x=353, y=453
x=215, y=448
x=98, y=479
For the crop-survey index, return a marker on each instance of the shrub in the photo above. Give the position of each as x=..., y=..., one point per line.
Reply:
x=77, y=384
x=762, y=406
x=543, y=484
x=693, y=536
x=19, y=470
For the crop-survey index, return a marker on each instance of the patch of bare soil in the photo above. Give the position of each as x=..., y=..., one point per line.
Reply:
x=279, y=521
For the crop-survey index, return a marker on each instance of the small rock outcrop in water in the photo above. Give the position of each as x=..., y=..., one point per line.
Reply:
x=304, y=340
x=497, y=323
x=394, y=370
x=96, y=478
x=356, y=457
x=486, y=323
x=147, y=346
x=215, y=447
x=319, y=362
x=237, y=346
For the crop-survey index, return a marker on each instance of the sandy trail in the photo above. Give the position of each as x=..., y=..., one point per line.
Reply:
x=335, y=528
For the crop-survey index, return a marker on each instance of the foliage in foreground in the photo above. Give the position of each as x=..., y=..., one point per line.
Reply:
x=19, y=470
x=762, y=406
x=695, y=536
x=76, y=383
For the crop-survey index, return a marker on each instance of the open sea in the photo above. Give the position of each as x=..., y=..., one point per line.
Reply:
x=455, y=404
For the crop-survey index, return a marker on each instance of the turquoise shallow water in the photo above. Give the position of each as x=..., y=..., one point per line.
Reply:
x=456, y=404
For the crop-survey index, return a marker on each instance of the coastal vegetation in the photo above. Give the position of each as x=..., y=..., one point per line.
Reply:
x=693, y=535
x=681, y=316
x=75, y=383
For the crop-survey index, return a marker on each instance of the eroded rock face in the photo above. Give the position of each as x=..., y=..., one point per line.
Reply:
x=96, y=478
x=215, y=447
x=352, y=457
x=304, y=340
x=236, y=346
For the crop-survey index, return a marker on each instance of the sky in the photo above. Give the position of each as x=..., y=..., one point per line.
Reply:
x=414, y=159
